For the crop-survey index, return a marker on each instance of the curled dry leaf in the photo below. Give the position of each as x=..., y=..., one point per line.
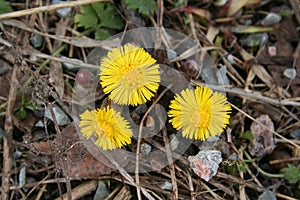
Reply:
x=263, y=142
x=197, y=11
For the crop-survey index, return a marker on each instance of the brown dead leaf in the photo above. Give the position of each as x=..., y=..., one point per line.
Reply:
x=286, y=31
x=25, y=125
x=256, y=69
x=262, y=73
x=197, y=11
x=57, y=78
x=81, y=164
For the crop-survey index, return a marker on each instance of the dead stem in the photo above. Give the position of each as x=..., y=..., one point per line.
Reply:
x=7, y=140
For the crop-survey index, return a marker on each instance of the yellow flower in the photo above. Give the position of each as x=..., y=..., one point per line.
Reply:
x=130, y=75
x=200, y=113
x=109, y=128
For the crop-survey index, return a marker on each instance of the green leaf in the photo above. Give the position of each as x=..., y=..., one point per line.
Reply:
x=242, y=166
x=247, y=135
x=102, y=34
x=291, y=173
x=98, y=16
x=107, y=14
x=178, y=3
x=24, y=98
x=5, y=7
x=21, y=114
x=30, y=106
x=87, y=17
x=250, y=29
x=145, y=7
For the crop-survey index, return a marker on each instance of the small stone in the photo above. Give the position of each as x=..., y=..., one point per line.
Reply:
x=267, y=195
x=61, y=118
x=17, y=154
x=263, y=141
x=102, y=192
x=271, y=19
x=290, y=73
x=171, y=54
x=36, y=40
x=230, y=59
x=222, y=76
x=233, y=157
x=256, y=39
x=166, y=186
x=246, y=22
x=61, y=12
x=206, y=163
x=22, y=177
x=213, y=139
x=39, y=124
x=294, y=134
x=272, y=51
x=145, y=148
x=69, y=66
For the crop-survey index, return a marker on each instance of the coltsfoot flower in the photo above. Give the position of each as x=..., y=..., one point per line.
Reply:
x=130, y=75
x=109, y=128
x=199, y=112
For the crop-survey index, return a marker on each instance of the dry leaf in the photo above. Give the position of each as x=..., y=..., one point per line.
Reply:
x=57, y=78
x=235, y=6
x=197, y=11
x=81, y=164
x=212, y=32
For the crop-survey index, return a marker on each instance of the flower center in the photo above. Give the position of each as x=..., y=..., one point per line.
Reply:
x=125, y=69
x=201, y=118
x=132, y=78
x=106, y=129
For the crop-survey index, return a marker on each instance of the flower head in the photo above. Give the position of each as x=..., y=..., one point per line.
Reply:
x=200, y=113
x=130, y=75
x=109, y=128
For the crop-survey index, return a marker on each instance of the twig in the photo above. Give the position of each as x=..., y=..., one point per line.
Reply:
x=48, y=8
x=282, y=196
x=137, y=166
x=272, y=162
x=126, y=175
x=36, y=186
x=191, y=185
x=40, y=193
x=81, y=190
x=230, y=178
x=242, y=190
x=8, y=127
x=171, y=165
x=215, y=195
x=60, y=140
x=296, y=8
x=41, y=55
